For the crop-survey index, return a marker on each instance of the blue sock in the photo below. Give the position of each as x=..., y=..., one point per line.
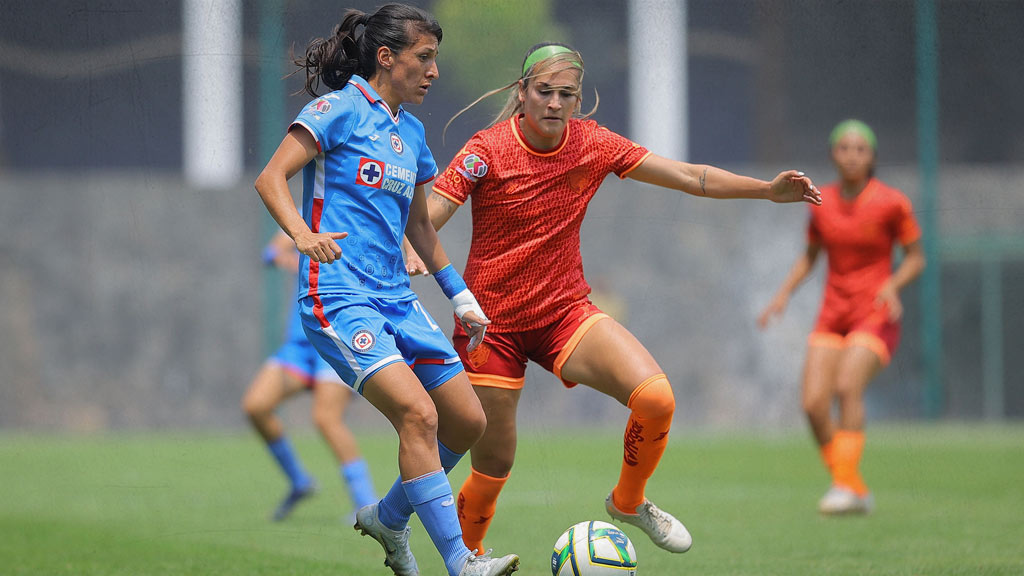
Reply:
x=394, y=510
x=289, y=462
x=360, y=487
x=431, y=497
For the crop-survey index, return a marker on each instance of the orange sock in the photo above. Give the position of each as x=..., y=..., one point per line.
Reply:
x=478, y=499
x=848, y=445
x=828, y=455
x=646, y=437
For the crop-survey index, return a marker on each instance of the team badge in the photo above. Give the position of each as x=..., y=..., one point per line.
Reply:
x=363, y=341
x=479, y=356
x=396, y=143
x=473, y=167
x=321, y=106
x=371, y=172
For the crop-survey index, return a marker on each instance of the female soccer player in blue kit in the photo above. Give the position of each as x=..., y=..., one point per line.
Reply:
x=293, y=368
x=365, y=163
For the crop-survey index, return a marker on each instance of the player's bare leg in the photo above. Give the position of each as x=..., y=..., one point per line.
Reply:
x=492, y=458
x=272, y=386
x=857, y=366
x=611, y=360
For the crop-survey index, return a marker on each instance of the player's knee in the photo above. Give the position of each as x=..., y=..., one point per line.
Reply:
x=254, y=407
x=653, y=398
x=420, y=421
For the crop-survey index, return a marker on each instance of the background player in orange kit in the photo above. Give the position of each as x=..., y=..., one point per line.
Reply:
x=532, y=174
x=858, y=327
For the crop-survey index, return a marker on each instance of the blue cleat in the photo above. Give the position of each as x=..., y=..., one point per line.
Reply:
x=296, y=495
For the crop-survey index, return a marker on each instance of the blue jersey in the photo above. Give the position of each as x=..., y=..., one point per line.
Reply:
x=361, y=182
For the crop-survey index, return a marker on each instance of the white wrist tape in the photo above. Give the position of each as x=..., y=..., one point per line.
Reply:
x=465, y=302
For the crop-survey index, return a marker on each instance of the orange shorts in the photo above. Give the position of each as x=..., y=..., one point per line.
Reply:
x=839, y=327
x=500, y=360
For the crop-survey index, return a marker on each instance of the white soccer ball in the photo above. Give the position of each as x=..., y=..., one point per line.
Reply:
x=593, y=548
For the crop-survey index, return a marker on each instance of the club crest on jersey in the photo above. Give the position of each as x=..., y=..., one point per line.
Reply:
x=473, y=167
x=321, y=106
x=390, y=177
x=363, y=341
x=371, y=172
x=396, y=143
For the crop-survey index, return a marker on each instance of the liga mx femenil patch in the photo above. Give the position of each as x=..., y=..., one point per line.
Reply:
x=321, y=106
x=396, y=143
x=473, y=167
x=363, y=341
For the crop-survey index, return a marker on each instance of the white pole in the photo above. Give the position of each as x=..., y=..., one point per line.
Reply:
x=657, y=76
x=212, y=93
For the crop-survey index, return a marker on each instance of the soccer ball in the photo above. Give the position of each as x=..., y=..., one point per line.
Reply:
x=593, y=548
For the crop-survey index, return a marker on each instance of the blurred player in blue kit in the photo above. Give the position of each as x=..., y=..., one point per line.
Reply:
x=365, y=163
x=296, y=367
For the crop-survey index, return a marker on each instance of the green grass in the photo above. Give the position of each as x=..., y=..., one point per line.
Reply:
x=950, y=500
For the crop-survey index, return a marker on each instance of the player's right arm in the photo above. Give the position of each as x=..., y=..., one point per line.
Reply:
x=295, y=151
x=800, y=270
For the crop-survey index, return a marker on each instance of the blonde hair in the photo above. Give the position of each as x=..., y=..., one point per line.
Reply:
x=564, y=60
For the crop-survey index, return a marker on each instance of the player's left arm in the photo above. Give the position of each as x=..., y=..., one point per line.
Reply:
x=705, y=180
x=909, y=269
x=422, y=237
x=441, y=209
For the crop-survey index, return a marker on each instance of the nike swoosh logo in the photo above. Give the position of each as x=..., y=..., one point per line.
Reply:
x=448, y=502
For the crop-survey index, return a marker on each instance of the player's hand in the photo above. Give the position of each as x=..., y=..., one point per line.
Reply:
x=320, y=247
x=773, y=310
x=888, y=298
x=414, y=264
x=475, y=326
x=794, y=186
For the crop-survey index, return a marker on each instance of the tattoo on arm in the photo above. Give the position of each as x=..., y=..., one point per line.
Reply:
x=703, y=179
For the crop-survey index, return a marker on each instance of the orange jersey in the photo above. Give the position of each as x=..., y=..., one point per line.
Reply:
x=859, y=236
x=524, y=264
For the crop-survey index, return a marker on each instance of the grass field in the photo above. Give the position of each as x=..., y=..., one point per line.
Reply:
x=950, y=500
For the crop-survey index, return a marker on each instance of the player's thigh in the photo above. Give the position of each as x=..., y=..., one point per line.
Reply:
x=857, y=367
x=272, y=385
x=460, y=418
x=330, y=397
x=611, y=360
x=819, y=377
x=398, y=394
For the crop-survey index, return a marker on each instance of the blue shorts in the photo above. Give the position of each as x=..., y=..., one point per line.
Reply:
x=298, y=357
x=359, y=335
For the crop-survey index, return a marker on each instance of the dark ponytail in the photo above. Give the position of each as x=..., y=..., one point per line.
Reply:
x=352, y=46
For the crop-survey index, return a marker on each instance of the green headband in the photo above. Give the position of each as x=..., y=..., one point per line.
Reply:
x=856, y=126
x=543, y=53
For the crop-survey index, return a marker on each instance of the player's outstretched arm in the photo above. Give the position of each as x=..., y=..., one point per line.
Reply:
x=704, y=180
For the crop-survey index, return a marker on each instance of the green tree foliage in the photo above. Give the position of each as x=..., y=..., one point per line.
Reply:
x=486, y=40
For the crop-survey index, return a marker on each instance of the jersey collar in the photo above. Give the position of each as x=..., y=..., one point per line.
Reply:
x=371, y=95
x=521, y=138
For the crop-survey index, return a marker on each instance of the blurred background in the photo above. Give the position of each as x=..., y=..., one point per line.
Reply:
x=132, y=294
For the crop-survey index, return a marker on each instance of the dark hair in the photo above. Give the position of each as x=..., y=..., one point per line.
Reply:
x=332, y=61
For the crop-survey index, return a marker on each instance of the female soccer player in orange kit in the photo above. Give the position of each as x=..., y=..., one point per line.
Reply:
x=858, y=327
x=531, y=175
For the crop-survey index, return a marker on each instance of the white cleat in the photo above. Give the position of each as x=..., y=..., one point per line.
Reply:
x=839, y=500
x=398, y=555
x=487, y=566
x=663, y=529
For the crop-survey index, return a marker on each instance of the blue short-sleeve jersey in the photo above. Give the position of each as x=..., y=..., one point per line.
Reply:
x=361, y=182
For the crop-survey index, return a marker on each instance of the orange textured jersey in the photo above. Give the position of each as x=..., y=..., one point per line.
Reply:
x=859, y=236
x=524, y=265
